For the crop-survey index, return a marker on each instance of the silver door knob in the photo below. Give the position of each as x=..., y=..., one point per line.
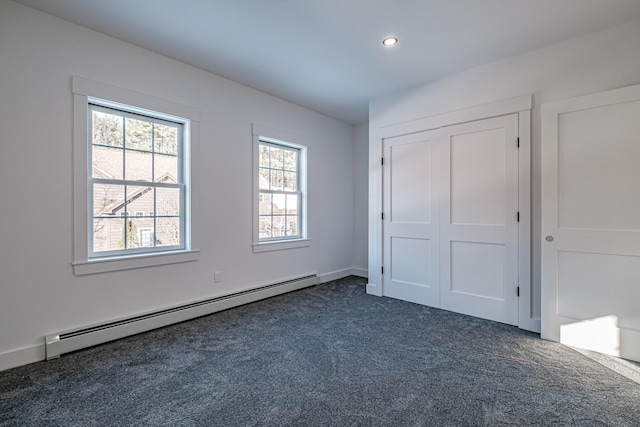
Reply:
x=549, y=238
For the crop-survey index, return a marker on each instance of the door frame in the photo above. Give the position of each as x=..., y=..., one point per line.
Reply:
x=522, y=106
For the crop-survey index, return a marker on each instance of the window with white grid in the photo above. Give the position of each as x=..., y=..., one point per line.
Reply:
x=136, y=185
x=280, y=195
x=280, y=187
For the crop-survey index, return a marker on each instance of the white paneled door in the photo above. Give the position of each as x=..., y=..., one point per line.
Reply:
x=410, y=223
x=450, y=199
x=479, y=219
x=591, y=222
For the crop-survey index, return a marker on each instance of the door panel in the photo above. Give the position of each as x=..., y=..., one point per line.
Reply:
x=407, y=260
x=477, y=174
x=591, y=222
x=588, y=141
x=478, y=219
x=470, y=259
x=410, y=225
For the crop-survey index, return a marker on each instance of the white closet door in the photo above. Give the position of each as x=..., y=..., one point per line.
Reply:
x=591, y=222
x=478, y=219
x=410, y=225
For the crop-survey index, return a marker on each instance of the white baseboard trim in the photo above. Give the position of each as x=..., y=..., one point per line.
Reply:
x=360, y=272
x=22, y=356
x=335, y=275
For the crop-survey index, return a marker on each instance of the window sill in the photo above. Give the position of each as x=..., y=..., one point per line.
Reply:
x=81, y=268
x=280, y=245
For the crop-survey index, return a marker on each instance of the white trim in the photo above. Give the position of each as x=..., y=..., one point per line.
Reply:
x=521, y=105
x=360, y=272
x=525, y=308
x=280, y=245
x=94, y=89
x=101, y=265
x=83, y=90
x=80, y=174
x=335, y=275
x=291, y=138
x=374, y=289
x=22, y=356
x=478, y=112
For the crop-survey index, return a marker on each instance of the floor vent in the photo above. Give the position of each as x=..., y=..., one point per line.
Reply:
x=65, y=342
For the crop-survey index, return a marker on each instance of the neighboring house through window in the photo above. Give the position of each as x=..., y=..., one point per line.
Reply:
x=280, y=191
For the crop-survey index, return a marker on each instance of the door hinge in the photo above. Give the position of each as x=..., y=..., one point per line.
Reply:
x=382, y=215
x=382, y=160
x=518, y=142
x=518, y=291
x=518, y=216
x=382, y=270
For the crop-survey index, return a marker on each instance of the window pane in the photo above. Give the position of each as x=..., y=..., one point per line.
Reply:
x=279, y=226
x=276, y=180
x=138, y=134
x=107, y=232
x=165, y=139
x=292, y=204
x=137, y=165
x=291, y=160
x=139, y=200
x=290, y=181
x=292, y=225
x=264, y=227
x=108, y=199
x=264, y=203
x=264, y=179
x=106, y=162
x=168, y=231
x=277, y=155
x=131, y=239
x=107, y=129
x=166, y=168
x=279, y=205
x=263, y=156
x=167, y=201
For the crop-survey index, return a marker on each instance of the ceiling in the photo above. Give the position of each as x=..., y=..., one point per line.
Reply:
x=327, y=55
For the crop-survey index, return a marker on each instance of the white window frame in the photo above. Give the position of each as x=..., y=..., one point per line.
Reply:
x=86, y=91
x=286, y=139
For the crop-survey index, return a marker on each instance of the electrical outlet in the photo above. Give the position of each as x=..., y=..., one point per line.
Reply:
x=217, y=277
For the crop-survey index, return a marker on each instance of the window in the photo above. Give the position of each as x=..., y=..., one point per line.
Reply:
x=130, y=160
x=279, y=190
x=136, y=165
x=280, y=195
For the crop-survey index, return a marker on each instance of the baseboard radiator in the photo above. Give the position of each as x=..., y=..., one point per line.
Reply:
x=68, y=341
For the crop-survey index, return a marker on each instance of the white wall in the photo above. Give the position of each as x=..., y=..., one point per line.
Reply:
x=360, y=197
x=600, y=61
x=38, y=292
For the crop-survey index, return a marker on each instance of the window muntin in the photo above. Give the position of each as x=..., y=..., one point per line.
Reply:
x=136, y=166
x=279, y=192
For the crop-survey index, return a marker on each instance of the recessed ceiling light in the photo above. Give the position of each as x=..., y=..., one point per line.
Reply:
x=390, y=41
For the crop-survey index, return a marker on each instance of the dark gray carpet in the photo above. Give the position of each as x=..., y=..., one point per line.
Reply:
x=329, y=355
